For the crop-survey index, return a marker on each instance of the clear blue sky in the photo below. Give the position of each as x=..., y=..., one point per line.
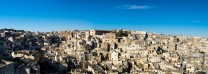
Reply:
x=179, y=17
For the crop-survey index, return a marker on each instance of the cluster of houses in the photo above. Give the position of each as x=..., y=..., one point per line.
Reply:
x=103, y=52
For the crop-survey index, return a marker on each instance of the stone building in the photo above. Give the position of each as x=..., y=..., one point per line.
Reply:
x=98, y=32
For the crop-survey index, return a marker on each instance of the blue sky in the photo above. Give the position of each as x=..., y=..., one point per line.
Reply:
x=178, y=17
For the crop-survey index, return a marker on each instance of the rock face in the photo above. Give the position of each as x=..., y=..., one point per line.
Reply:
x=7, y=67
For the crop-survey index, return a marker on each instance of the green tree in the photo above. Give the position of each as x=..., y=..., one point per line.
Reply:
x=119, y=33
